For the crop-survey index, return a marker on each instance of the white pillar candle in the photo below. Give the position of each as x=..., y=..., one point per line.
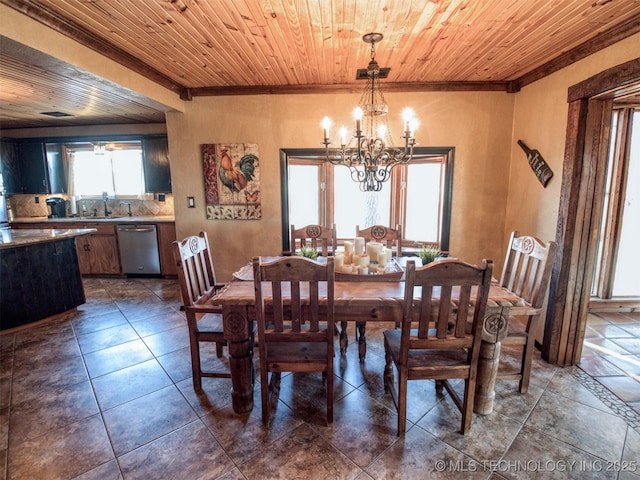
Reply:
x=389, y=256
x=361, y=260
x=348, y=247
x=364, y=271
x=339, y=259
x=373, y=250
x=358, y=245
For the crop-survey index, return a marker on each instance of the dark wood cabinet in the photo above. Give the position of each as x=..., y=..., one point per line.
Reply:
x=155, y=160
x=32, y=167
x=10, y=167
x=39, y=280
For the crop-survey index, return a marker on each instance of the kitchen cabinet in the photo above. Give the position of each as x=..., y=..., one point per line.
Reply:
x=33, y=167
x=155, y=161
x=166, y=237
x=10, y=167
x=98, y=252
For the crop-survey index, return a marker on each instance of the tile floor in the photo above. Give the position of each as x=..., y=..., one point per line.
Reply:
x=106, y=393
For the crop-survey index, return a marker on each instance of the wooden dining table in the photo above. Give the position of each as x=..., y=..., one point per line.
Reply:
x=362, y=301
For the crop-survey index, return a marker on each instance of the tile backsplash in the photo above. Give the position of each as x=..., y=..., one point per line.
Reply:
x=26, y=206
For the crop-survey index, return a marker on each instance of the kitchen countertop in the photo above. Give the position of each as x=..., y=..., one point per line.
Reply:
x=10, y=238
x=116, y=219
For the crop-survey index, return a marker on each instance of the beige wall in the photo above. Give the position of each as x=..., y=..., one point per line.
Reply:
x=540, y=120
x=478, y=124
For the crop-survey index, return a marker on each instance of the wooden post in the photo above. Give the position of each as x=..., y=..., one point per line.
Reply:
x=237, y=330
x=487, y=370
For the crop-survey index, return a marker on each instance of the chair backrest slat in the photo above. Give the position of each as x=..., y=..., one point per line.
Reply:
x=463, y=310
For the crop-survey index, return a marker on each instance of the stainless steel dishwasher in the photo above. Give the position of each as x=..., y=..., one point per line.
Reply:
x=138, y=246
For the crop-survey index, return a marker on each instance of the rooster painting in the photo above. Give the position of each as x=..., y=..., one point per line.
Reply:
x=236, y=179
x=232, y=181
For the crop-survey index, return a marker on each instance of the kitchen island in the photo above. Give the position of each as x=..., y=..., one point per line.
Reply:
x=39, y=274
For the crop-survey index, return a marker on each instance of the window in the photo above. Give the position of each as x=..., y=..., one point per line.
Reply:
x=418, y=196
x=616, y=268
x=117, y=170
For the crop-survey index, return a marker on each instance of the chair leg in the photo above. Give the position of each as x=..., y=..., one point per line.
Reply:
x=362, y=340
x=402, y=402
x=264, y=391
x=329, y=392
x=525, y=367
x=388, y=370
x=195, y=356
x=467, y=406
x=527, y=354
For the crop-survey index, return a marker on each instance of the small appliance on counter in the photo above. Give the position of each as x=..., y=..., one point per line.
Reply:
x=58, y=207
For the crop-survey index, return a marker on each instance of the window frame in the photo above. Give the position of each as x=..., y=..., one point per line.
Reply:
x=318, y=155
x=70, y=148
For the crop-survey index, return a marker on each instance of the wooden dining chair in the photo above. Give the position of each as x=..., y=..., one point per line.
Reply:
x=439, y=345
x=322, y=239
x=198, y=286
x=295, y=331
x=526, y=272
x=389, y=237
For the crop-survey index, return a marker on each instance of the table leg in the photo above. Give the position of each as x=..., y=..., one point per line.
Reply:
x=238, y=330
x=494, y=329
x=486, y=380
x=344, y=342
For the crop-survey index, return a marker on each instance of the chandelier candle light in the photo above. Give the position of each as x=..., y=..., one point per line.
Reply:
x=370, y=154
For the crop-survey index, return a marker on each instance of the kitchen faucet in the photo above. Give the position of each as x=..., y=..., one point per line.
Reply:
x=105, y=199
x=128, y=204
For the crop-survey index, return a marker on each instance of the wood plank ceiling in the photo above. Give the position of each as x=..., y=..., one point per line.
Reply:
x=217, y=47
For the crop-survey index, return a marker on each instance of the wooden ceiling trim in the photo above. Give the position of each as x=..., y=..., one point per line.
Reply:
x=599, y=42
x=387, y=87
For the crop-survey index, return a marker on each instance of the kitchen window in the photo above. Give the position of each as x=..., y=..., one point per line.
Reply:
x=112, y=168
x=418, y=196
